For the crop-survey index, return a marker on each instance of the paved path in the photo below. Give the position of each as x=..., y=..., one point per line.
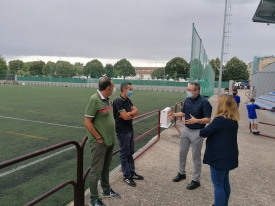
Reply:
x=252, y=183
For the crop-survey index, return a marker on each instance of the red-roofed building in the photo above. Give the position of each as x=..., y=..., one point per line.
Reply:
x=144, y=71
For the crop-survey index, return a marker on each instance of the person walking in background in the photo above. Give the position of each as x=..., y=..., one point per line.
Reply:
x=197, y=112
x=124, y=111
x=236, y=97
x=100, y=124
x=221, y=151
x=252, y=115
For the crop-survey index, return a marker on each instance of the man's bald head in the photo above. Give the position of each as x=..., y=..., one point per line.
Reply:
x=103, y=83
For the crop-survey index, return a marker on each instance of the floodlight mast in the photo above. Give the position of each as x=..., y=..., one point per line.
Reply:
x=221, y=63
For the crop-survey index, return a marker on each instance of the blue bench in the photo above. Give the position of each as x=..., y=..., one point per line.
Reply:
x=267, y=97
x=263, y=104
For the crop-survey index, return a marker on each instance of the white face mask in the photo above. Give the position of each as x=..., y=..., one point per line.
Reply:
x=226, y=92
x=114, y=91
x=190, y=94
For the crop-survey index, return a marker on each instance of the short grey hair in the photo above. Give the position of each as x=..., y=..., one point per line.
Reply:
x=197, y=85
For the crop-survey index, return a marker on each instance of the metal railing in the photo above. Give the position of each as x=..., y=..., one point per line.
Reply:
x=78, y=186
x=266, y=123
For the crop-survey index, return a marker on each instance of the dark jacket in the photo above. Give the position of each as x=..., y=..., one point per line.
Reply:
x=221, y=150
x=121, y=104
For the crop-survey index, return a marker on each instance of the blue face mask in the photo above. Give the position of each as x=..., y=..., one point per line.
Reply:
x=190, y=94
x=129, y=93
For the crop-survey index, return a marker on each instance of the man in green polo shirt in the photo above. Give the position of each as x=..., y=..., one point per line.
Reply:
x=100, y=123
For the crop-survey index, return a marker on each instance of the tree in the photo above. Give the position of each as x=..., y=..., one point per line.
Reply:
x=27, y=74
x=86, y=71
x=20, y=72
x=196, y=70
x=49, y=69
x=124, y=68
x=216, y=67
x=178, y=65
x=36, y=67
x=158, y=73
x=78, y=66
x=235, y=69
x=109, y=69
x=3, y=68
x=94, y=68
x=26, y=66
x=64, y=69
x=15, y=65
x=116, y=74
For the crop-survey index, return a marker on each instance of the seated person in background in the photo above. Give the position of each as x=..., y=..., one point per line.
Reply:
x=251, y=109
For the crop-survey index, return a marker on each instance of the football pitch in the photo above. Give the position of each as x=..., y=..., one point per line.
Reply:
x=36, y=117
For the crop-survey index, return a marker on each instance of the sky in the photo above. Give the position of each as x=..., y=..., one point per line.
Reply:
x=145, y=32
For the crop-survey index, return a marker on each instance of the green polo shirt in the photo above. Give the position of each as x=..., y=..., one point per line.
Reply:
x=101, y=111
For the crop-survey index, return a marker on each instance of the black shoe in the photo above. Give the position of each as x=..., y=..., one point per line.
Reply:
x=97, y=202
x=137, y=177
x=256, y=133
x=193, y=185
x=130, y=182
x=179, y=177
x=110, y=193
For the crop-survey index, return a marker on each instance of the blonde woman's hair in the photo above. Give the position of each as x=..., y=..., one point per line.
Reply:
x=227, y=107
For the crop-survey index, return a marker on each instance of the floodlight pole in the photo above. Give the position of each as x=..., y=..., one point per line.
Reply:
x=220, y=73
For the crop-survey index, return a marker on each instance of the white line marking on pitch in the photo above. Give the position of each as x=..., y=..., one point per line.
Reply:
x=34, y=162
x=62, y=125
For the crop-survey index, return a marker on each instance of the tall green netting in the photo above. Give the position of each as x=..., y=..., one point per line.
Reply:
x=201, y=70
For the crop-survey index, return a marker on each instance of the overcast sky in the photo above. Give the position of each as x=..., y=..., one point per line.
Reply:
x=145, y=32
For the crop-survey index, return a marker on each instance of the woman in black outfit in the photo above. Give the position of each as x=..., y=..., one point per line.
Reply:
x=221, y=151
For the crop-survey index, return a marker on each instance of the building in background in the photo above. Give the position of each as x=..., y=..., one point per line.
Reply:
x=258, y=64
x=144, y=72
